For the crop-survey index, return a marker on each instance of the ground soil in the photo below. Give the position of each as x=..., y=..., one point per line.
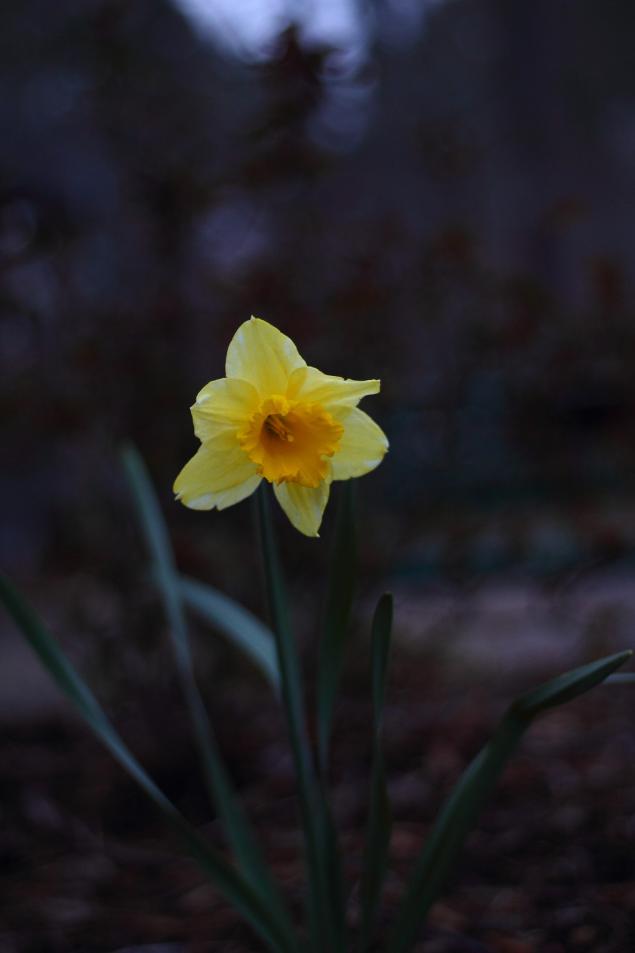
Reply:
x=87, y=865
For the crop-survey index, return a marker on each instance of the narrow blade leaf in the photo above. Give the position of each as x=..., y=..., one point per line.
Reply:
x=568, y=686
x=243, y=629
x=231, y=883
x=379, y=814
x=337, y=617
x=381, y=636
x=627, y=679
x=473, y=788
x=236, y=825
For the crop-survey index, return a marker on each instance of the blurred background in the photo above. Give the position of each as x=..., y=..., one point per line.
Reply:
x=439, y=193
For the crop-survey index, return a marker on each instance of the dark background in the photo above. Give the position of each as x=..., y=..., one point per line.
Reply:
x=439, y=194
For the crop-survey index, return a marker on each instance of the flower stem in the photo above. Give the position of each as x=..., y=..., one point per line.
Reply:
x=325, y=906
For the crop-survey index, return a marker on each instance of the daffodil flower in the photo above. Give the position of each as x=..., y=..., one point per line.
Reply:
x=275, y=418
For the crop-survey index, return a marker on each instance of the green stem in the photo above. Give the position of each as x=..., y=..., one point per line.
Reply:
x=325, y=909
x=339, y=599
x=379, y=822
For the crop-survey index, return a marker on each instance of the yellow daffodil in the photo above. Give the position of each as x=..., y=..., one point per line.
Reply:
x=277, y=419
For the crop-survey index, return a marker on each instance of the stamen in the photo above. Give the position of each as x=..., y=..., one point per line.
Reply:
x=277, y=428
x=291, y=441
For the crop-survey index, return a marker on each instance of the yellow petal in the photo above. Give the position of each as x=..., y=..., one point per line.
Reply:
x=361, y=448
x=219, y=474
x=307, y=383
x=237, y=493
x=221, y=404
x=303, y=505
x=262, y=355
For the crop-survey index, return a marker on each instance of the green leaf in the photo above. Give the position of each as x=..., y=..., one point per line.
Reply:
x=236, y=825
x=381, y=635
x=473, y=788
x=242, y=628
x=326, y=915
x=568, y=686
x=627, y=679
x=228, y=881
x=379, y=814
x=337, y=616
